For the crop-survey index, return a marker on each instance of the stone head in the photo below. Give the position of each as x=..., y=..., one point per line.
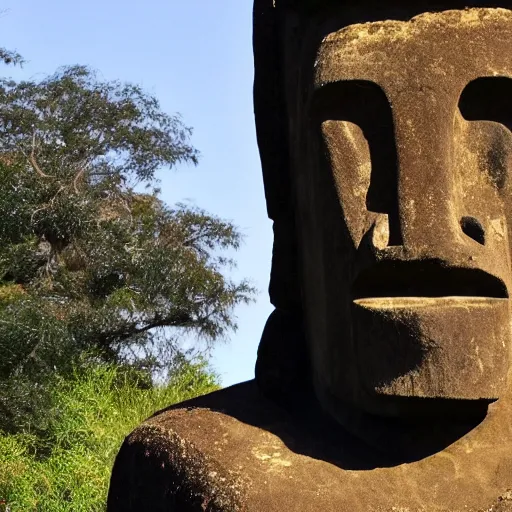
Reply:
x=386, y=144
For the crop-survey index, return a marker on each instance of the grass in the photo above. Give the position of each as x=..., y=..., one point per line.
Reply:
x=69, y=470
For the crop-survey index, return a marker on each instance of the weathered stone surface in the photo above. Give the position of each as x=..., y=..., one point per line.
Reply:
x=236, y=451
x=383, y=377
x=390, y=157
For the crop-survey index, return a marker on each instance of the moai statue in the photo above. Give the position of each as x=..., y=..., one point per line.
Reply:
x=382, y=382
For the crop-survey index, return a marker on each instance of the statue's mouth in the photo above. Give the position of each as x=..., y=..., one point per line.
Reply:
x=412, y=283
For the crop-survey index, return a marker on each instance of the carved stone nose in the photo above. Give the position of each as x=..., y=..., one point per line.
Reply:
x=428, y=194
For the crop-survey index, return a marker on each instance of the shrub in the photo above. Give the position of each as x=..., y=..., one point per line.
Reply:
x=68, y=469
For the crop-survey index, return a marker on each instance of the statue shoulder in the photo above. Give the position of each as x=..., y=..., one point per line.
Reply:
x=200, y=455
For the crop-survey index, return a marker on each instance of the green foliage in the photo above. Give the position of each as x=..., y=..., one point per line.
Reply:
x=68, y=468
x=89, y=263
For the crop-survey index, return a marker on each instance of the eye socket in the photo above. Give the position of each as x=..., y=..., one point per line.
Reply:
x=488, y=99
x=365, y=104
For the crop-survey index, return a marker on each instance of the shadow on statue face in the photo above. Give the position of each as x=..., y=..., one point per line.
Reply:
x=401, y=150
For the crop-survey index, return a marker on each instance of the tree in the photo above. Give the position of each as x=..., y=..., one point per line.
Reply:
x=88, y=262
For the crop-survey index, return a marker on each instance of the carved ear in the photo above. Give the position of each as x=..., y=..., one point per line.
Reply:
x=272, y=134
x=270, y=107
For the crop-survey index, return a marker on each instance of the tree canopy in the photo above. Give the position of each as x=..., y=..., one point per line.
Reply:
x=92, y=261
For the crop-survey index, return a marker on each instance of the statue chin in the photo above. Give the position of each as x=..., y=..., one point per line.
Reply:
x=450, y=348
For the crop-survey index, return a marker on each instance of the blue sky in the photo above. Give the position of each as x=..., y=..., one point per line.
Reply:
x=196, y=57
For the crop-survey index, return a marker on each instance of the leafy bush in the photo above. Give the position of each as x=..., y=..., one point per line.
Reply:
x=88, y=261
x=68, y=469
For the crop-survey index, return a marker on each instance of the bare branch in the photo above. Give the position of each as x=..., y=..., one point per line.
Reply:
x=33, y=161
x=79, y=174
